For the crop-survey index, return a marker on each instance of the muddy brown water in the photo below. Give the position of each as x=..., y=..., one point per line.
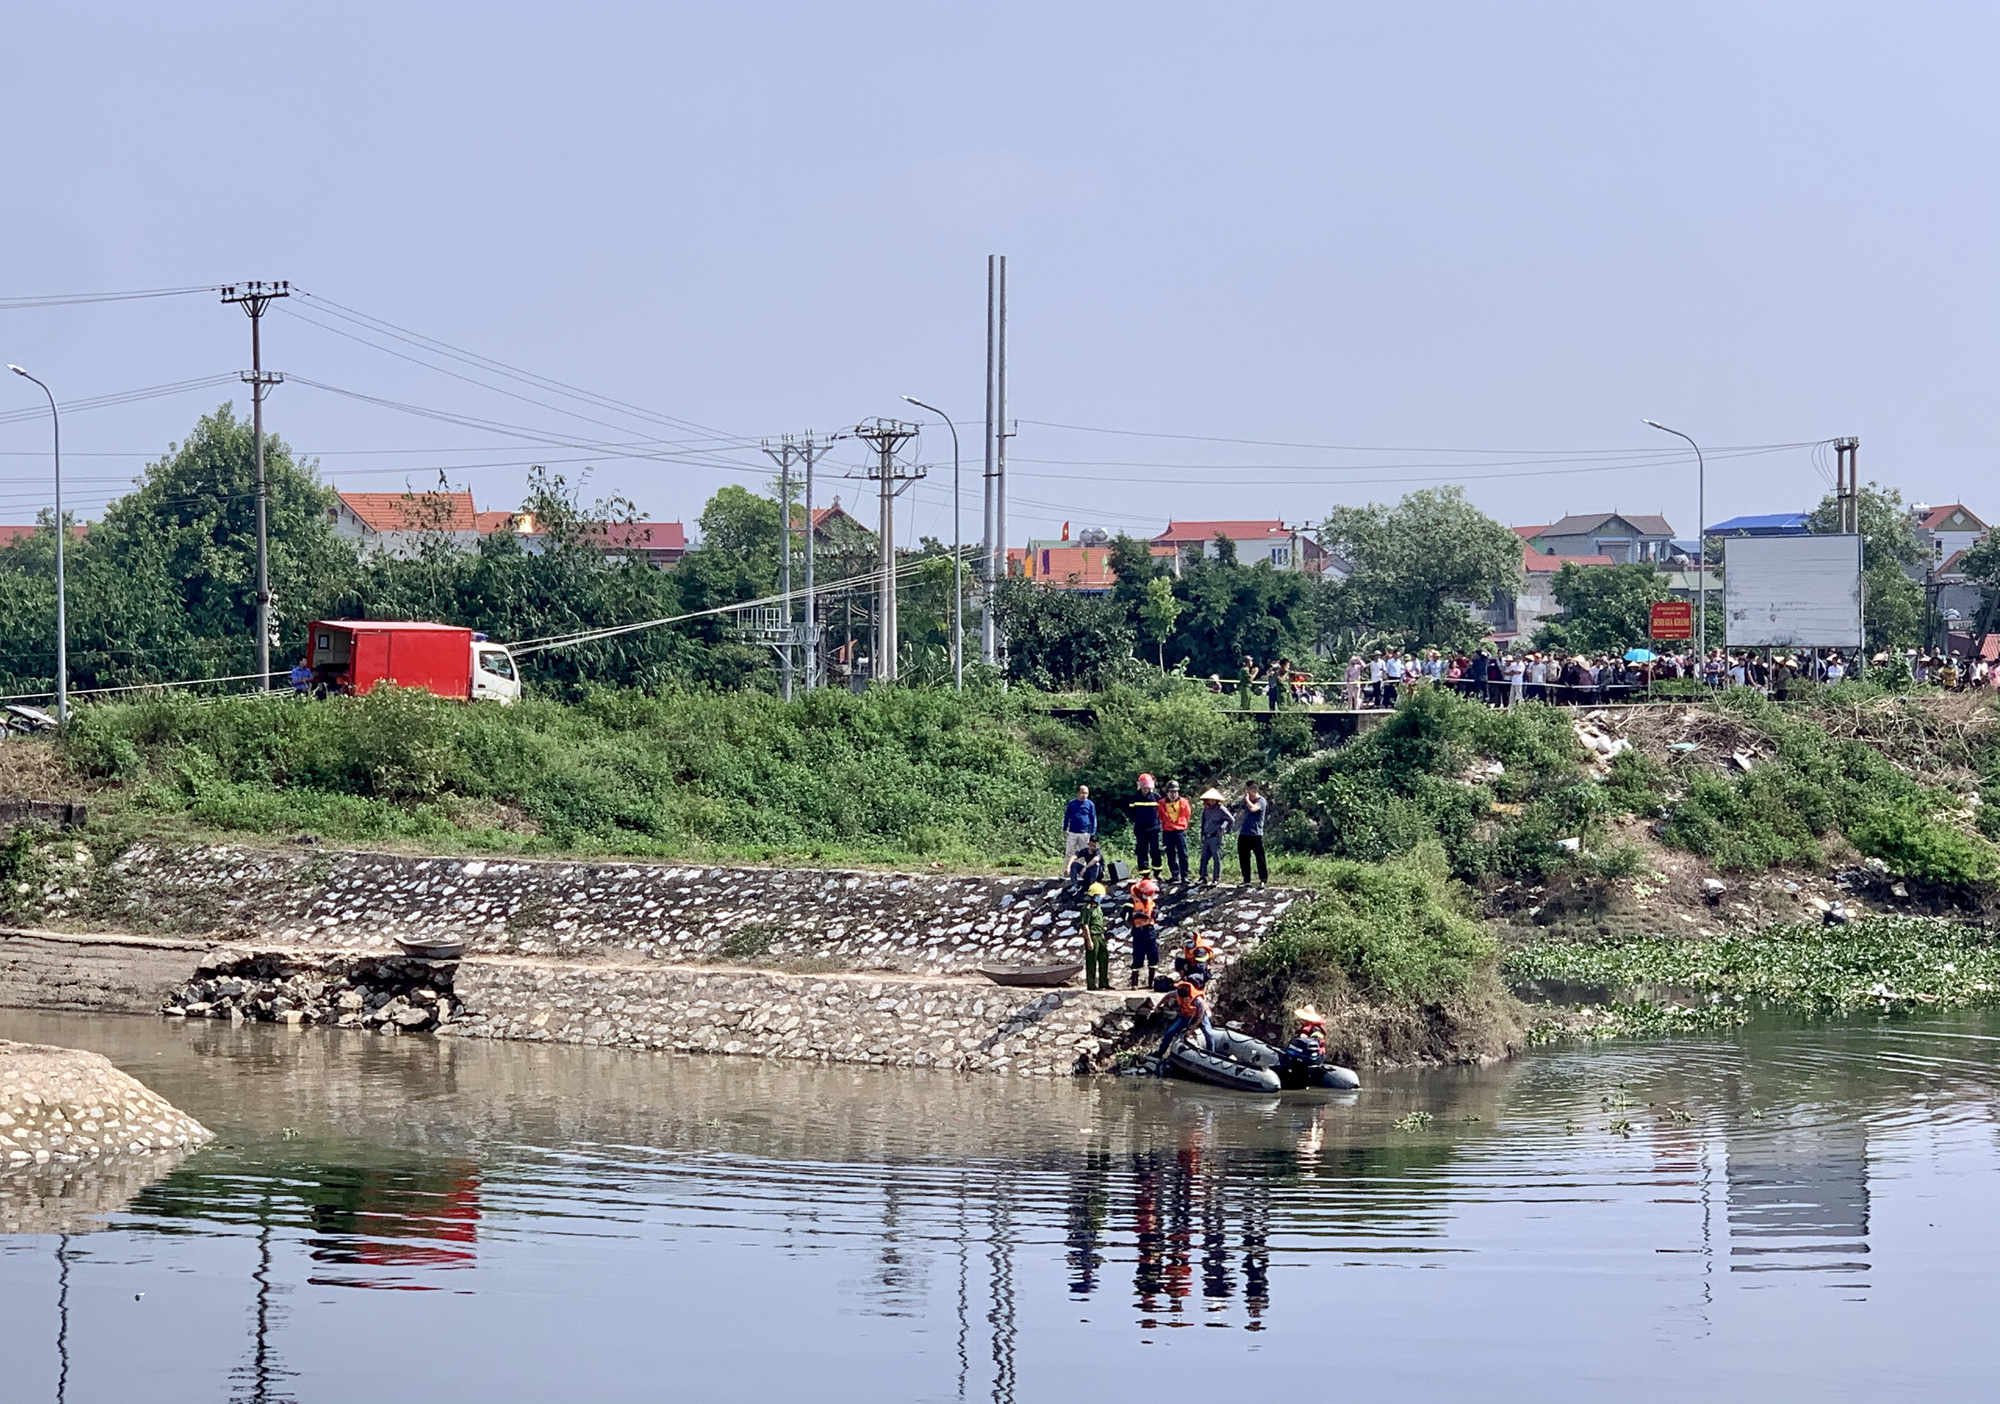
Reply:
x=1791, y=1212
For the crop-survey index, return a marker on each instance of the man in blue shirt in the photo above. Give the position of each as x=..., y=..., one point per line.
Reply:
x=1079, y=823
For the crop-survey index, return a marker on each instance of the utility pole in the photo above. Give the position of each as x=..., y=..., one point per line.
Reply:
x=1847, y=483
x=885, y=436
x=254, y=298
x=811, y=451
x=1000, y=448
x=989, y=579
x=782, y=456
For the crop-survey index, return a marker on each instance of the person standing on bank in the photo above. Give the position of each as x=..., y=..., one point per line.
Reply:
x=1174, y=815
x=1216, y=821
x=1096, y=944
x=1079, y=823
x=1250, y=833
x=1143, y=809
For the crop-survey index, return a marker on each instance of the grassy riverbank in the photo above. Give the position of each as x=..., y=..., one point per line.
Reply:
x=1434, y=844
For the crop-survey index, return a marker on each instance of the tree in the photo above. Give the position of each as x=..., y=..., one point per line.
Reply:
x=1232, y=611
x=1420, y=564
x=1157, y=613
x=560, y=581
x=1062, y=640
x=165, y=586
x=1982, y=568
x=1606, y=609
x=1892, y=610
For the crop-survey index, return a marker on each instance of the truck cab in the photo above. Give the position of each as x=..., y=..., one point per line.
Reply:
x=495, y=678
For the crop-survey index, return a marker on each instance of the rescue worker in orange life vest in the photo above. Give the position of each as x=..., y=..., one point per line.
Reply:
x=1194, y=962
x=1190, y=1012
x=1145, y=920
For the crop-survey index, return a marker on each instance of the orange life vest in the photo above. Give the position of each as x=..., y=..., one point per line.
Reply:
x=1142, y=908
x=1186, y=1002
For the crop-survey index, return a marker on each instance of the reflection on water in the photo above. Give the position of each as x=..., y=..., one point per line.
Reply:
x=495, y=1221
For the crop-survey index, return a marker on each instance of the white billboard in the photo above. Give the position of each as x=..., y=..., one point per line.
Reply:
x=1793, y=591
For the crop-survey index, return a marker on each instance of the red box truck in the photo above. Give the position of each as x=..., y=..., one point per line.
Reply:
x=355, y=655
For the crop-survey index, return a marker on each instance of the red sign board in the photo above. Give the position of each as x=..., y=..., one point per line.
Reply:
x=1673, y=619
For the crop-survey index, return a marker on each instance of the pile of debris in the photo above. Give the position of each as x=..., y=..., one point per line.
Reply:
x=392, y=994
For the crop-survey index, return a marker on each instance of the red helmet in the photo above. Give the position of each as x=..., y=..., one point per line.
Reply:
x=1144, y=778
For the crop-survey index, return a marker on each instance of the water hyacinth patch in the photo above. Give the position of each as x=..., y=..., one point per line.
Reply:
x=1880, y=962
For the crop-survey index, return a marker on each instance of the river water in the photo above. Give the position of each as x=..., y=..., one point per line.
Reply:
x=1792, y=1212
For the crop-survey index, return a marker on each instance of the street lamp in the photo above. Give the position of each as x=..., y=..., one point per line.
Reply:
x=62, y=532
x=957, y=554
x=1700, y=534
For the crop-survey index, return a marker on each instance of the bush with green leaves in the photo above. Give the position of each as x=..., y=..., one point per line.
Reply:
x=1812, y=786
x=1394, y=932
x=1428, y=774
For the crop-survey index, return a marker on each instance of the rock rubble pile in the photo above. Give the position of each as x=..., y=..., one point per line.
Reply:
x=395, y=994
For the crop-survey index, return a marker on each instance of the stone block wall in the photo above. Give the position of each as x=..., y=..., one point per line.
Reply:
x=897, y=1020
x=788, y=918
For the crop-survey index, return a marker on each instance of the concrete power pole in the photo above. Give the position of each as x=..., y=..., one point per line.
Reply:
x=1847, y=483
x=810, y=452
x=782, y=455
x=1000, y=448
x=254, y=298
x=885, y=436
x=989, y=580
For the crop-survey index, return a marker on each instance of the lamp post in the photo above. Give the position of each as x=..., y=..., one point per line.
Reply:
x=62, y=533
x=957, y=555
x=1700, y=535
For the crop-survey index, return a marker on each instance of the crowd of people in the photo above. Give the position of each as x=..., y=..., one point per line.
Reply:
x=1160, y=822
x=1504, y=677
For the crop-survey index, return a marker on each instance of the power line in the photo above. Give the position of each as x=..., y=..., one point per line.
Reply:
x=545, y=383
x=13, y=304
x=122, y=397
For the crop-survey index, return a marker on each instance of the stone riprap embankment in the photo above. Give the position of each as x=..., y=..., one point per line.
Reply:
x=67, y=1105
x=900, y=1021
x=800, y=964
x=799, y=918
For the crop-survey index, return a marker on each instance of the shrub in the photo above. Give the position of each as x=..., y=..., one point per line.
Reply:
x=1395, y=931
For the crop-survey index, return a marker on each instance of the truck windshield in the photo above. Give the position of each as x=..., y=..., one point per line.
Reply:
x=495, y=662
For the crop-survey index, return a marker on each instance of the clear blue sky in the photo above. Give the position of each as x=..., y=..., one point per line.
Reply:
x=1408, y=226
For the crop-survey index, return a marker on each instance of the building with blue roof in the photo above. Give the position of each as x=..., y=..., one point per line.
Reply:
x=1770, y=524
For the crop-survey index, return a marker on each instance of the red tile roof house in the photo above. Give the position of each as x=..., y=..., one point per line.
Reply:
x=1535, y=601
x=398, y=523
x=1284, y=547
x=660, y=544
x=10, y=534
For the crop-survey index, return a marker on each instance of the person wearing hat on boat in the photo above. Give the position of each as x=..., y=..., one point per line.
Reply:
x=1143, y=810
x=1096, y=946
x=1216, y=820
x=1190, y=1012
x=1308, y=1045
x=1145, y=920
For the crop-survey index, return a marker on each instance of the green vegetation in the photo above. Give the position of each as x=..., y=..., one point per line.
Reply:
x=1416, y=567
x=1392, y=953
x=1877, y=963
x=1434, y=773
x=1815, y=783
x=1396, y=931
x=1606, y=609
x=885, y=777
